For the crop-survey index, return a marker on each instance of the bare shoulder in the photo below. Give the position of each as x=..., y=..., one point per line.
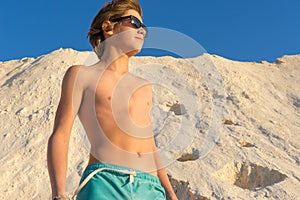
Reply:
x=73, y=70
x=76, y=74
x=71, y=74
x=71, y=93
x=69, y=80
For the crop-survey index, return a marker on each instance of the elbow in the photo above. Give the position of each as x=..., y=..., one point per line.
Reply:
x=60, y=138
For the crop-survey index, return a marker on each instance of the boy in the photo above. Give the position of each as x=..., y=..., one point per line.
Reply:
x=114, y=108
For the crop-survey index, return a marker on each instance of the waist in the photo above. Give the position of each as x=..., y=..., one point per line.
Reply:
x=139, y=173
x=146, y=166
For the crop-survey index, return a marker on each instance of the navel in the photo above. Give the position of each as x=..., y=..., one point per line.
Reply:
x=109, y=98
x=139, y=154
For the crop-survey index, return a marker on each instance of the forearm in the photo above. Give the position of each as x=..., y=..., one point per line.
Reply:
x=57, y=159
x=163, y=177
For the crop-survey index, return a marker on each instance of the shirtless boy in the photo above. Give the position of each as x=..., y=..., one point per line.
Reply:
x=114, y=108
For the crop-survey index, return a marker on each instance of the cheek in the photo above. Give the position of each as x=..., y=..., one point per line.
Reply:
x=127, y=41
x=127, y=34
x=117, y=29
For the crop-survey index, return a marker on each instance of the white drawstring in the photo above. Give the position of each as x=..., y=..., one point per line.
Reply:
x=131, y=178
x=86, y=180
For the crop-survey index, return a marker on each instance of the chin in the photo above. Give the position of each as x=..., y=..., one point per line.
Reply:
x=132, y=46
x=133, y=52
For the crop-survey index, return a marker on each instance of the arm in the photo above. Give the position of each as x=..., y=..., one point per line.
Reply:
x=57, y=154
x=164, y=180
x=162, y=174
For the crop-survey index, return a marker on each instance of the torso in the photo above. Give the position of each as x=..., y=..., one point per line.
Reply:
x=112, y=110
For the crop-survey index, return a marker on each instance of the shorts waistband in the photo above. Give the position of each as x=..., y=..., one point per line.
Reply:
x=95, y=168
x=112, y=167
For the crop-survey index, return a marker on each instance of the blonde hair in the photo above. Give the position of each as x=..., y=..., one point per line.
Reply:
x=110, y=10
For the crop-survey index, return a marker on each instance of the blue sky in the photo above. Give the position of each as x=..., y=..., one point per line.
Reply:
x=240, y=30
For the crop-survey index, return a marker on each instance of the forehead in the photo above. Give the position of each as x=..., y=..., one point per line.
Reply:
x=134, y=13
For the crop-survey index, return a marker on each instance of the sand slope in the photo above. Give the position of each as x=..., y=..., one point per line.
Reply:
x=255, y=156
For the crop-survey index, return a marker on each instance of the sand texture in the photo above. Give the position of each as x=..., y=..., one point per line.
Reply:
x=254, y=153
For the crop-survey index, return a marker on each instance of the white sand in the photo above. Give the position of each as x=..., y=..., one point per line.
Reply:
x=256, y=156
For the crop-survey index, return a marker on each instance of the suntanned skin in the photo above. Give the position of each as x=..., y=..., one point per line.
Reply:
x=139, y=109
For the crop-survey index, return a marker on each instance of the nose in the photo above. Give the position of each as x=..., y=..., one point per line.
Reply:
x=142, y=31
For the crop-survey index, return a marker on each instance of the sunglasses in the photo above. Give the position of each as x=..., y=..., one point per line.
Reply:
x=135, y=22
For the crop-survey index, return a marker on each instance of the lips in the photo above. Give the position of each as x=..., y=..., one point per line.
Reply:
x=139, y=38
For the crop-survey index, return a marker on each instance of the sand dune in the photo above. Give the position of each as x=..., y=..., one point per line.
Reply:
x=254, y=153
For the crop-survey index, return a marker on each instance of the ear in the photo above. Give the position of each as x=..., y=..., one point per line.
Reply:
x=107, y=28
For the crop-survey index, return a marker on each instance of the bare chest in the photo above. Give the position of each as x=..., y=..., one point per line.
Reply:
x=122, y=95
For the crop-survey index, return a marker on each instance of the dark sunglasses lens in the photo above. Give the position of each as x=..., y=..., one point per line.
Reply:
x=138, y=24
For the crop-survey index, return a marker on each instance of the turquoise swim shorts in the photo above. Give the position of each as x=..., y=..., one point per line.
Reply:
x=104, y=181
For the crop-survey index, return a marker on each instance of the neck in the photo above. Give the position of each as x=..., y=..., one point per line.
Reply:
x=115, y=60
